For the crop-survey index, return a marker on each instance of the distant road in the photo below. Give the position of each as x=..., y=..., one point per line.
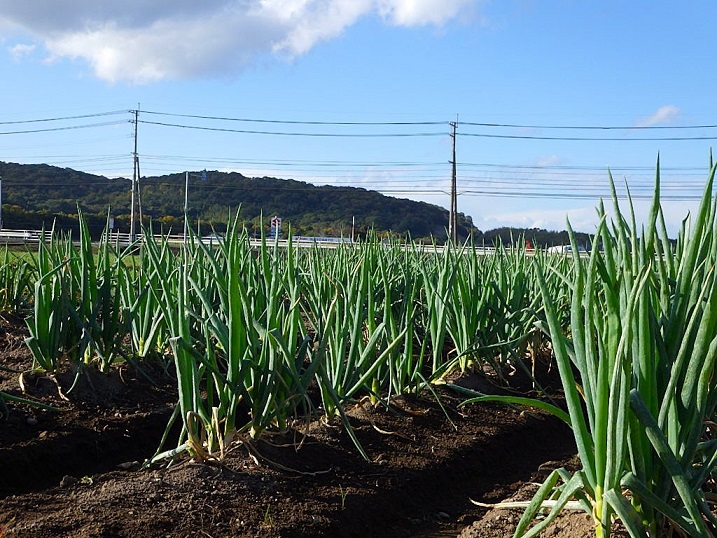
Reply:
x=29, y=237
x=21, y=237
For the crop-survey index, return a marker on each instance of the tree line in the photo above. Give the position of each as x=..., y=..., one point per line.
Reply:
x=37, y=195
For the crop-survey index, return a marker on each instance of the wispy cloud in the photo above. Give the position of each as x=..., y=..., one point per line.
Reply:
x=549, y=160
x=422, y=12
x=141, y=41
x=19, y=51
x=581, y=219
x=664, y=115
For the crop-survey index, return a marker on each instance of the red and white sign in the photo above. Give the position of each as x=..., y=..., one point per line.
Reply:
x=276, y=222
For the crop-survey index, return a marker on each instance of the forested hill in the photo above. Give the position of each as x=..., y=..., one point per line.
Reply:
x=33, y=194
x=37, y=194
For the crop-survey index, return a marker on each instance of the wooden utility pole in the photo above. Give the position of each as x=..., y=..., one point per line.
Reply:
x=453, y=214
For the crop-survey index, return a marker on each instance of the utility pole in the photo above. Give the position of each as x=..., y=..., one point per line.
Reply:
x=186, y=206
x=453, y=214
x=0, y=202
x=136, y=165
x=135, y=182
x=203, y=176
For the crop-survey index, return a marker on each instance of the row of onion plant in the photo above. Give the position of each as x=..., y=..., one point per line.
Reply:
x=637, y=362
x=78, y=313
x=255, y=330
x=17, y=277
x=261, y=335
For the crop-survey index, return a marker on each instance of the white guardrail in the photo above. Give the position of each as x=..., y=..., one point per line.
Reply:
x=22, y=237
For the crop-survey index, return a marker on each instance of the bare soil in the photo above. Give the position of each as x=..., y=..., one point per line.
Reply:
x=75, y=472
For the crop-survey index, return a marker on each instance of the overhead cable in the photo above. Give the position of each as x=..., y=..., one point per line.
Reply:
x=296, y=122
x=284, y=133
x=64, y=118
x=66, y=128
x=476, y=124
x=589, y=127
x=592, y=139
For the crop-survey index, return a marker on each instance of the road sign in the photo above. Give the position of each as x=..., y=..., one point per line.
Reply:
x=276, y=222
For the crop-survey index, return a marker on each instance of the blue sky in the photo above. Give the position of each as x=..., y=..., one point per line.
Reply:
x=409, y=66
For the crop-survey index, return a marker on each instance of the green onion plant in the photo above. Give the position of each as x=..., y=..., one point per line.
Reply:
x=637, y=366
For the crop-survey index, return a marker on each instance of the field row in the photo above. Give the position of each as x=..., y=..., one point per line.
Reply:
x=260, y=336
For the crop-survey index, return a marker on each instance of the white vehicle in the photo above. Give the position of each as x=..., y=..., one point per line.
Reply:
x=566, y=249
x=212, y=238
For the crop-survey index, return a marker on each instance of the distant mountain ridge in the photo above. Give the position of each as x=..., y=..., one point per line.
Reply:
x=34, y=195
x=39, y=191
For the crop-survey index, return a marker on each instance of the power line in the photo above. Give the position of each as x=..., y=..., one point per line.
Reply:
x=579, y=167
x=376, y=123
x=66, y=128
x=415, y=178
x=416, y=169
x=592, y=139
x=64, y=118
x=578, y=196
x=297, y=122
x=477, y=124
x=496, y=183
x=425, y=134
x=285, y=133
x=292, y=162
x=424, y=165
x=590, y=127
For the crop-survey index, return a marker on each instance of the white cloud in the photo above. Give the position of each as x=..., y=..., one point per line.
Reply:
x=664, y=114
x=165, y=50
x=421, y=12
x=19, y=51
x=550, y=160
x=147, y=40
x=581, y=219
x=310, y=22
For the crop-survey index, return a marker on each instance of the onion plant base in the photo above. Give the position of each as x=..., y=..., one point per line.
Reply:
x=417, y=484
